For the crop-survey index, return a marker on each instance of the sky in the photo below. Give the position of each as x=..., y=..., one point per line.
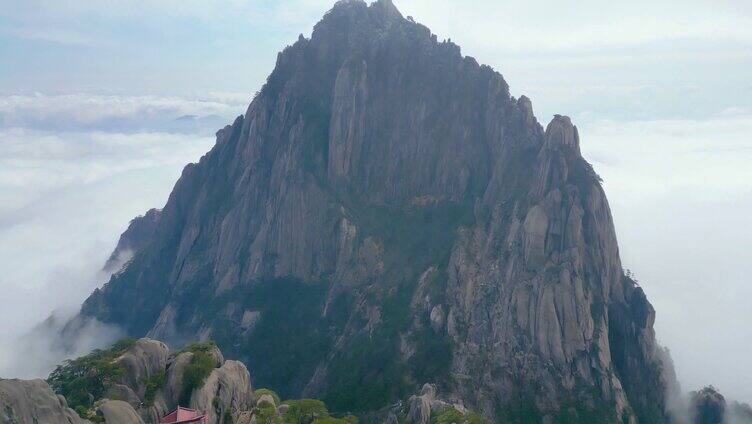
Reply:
x=102, y=102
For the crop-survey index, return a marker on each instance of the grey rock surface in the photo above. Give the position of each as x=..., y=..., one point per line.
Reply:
x=227, y=390
x=145, y=359
x=124, y=393
x=422, y=406
x=134, y=239
x=119, y=412
x=33, y=401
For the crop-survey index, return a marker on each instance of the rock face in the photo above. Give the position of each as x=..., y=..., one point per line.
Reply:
x=385, y=214
x=225, y=391
x=145, y=359
x=118, y=411
x=422, y=406
x=33, y=401
x=707, y=406
x=139, y=233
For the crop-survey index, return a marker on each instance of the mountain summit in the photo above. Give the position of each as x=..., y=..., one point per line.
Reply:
x=386, y=215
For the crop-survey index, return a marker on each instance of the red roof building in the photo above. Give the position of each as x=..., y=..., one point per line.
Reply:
x=184, y=416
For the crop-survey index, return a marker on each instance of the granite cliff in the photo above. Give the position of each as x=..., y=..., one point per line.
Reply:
x=385, y=214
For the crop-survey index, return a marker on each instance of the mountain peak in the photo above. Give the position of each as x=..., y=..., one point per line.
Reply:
x=380, y=197
x=386, y=9
x=561, y=132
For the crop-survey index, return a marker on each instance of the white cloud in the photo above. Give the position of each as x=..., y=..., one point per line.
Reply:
x=540, y=25
x=76, y=112
x=60, y=22
x=35, y=163
x=36, y=354
x=53, y=35
x=536, y=24
x=65, y=197
x=681, y=194
x=652, y=159
x=119, y=9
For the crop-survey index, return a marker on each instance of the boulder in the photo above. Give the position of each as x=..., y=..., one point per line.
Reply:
x=124, y=393
x=227, y=390
x=437, y=318
x=119, y=412
x=174, y=379
x=142, y=361
x=33, y=401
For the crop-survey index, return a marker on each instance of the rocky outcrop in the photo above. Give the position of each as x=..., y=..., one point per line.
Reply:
x=33, y=401
x=135, y=238
x=707, y=406
x=119, y=412
x=145, y=359
x=226, y=392
x=423, y=406
x=99, y=386
x=426, y=407
x=139, y=381
x=385, y=214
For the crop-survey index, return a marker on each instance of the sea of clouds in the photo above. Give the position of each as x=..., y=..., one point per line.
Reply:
x=680, y=192
x=74, y=170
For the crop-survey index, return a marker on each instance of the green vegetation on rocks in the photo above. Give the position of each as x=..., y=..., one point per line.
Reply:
x=153, y=384
x=330, y=420
x=294, y=411
x=82, y=381
x=261, y=392
x=453, y=416
x=305, y=411
x=195, y=374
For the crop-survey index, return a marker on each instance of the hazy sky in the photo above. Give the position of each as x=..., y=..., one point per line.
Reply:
x=103, y=101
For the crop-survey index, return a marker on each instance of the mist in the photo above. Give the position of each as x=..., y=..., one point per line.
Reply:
x=71, y=179
x=680, y=195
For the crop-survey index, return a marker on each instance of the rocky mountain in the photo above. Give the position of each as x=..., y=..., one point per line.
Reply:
x=385, y=215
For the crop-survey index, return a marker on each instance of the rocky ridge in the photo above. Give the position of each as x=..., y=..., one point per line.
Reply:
x=150, y=381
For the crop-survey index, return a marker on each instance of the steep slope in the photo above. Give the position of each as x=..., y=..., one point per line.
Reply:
x=384, y=215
